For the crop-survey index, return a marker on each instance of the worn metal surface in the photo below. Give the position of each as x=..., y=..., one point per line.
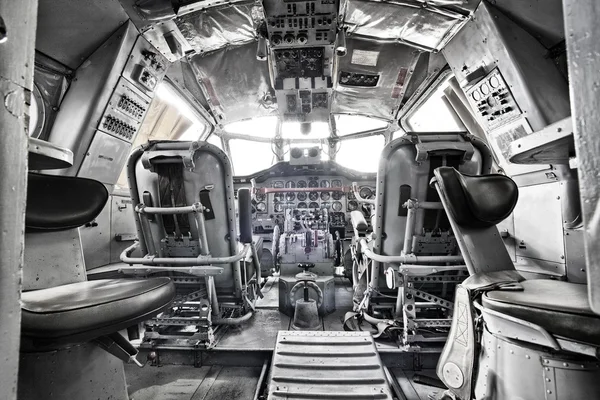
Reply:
x=184, y=382
x=539, y=210
x=91, y=91
x=53, y=259
x=543, y=19
x=51, y=80
x=43, y=155
x=96, y=238
x=552, y=145
x=492, y=41
x=425, y=25
x=512, y=371
x=16, y=76
x=393, y=63
x=258, y=334
x=317, y=365
x=70, y=32
x=84, y=372
x=584, y=55
x=234, y=90
x=213, y=28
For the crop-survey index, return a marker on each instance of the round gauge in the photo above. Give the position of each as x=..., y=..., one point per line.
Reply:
x=336, y=206
x=485, y=89
x=290, y=196
x=352, y=205
x=302, y=205
x=476, y=95
x=337, y=195
x=313, y=196
x=301, y=184
x=325, y=196
x=313, y=205
x=301, y=196
x=290, y=184
x=336, y=183
x=351, y=196
x=278, y=197
x=366, y=192
x=260, y=197
x=278, y=207
x=325, y=183
x=325, y=205
x=278, y=184
x=313, y=184
x=261, y=207
x=494, y=82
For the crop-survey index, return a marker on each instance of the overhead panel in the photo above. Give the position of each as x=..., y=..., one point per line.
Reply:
x=428, y=25
x=235, y=84
x=372, y=78
x=301, y=36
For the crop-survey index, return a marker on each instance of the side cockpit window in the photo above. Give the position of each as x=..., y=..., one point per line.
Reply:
x=169, y=118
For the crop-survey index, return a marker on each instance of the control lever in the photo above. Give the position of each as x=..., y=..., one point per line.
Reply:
x=306, y=267
x=119, y=347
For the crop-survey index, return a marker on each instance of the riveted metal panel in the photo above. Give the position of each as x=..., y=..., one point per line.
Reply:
x=583, y=30
x=539, y=226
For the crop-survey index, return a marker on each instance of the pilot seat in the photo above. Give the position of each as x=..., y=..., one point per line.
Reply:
x=185, y=215
x=511, y=338
x=70, y=325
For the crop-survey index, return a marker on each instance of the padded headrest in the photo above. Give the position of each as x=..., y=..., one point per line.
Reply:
x=56, y=203
x=477, y=201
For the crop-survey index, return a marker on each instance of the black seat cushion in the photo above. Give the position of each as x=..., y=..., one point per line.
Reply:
x=86, y=310
x=477, y=201
x=62, y=202
x=562, y=308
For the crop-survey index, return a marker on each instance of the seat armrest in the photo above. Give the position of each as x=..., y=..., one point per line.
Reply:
x=359, y=223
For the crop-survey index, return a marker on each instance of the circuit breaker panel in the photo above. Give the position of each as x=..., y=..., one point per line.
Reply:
x=116, y=84
x=302, y=36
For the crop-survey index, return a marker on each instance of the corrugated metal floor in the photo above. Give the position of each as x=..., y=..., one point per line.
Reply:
x=326, y=365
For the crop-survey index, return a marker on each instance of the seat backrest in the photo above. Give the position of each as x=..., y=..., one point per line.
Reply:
x=405, y=168
x=474, y=205
x=56, y=207
x=176, y=174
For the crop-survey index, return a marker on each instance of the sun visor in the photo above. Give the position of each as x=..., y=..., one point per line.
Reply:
x=372, y=78
x=235, y=84
x=427, y=25
x=213, y=28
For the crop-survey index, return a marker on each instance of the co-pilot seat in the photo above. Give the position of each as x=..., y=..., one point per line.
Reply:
x=538, y=338
x=68, y=323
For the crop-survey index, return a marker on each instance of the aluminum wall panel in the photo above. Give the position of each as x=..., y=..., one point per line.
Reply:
x=234, y=82
x=214, y=28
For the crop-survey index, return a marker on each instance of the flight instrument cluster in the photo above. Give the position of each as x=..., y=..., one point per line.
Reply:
x=307, y=195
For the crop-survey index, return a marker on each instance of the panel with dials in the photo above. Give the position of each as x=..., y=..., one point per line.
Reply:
x=493, y=101
x=301, y=36
x=324, y=196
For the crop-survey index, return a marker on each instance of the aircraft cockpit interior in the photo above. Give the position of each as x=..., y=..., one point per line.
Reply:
x=299, y=199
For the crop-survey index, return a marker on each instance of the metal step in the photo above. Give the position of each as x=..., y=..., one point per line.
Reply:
x=326, y=365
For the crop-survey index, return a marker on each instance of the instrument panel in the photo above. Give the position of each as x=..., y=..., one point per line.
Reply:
x=309, y=193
